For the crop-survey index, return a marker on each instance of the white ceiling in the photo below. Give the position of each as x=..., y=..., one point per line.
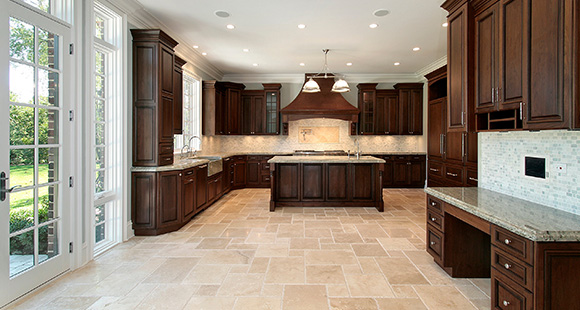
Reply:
x=269, y=29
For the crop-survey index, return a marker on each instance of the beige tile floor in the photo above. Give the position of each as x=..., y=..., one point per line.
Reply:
x=238, y=255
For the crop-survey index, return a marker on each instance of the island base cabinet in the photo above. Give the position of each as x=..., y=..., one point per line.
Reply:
x=326, y=185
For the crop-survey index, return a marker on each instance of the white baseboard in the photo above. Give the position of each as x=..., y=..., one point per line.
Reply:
x=130, y=231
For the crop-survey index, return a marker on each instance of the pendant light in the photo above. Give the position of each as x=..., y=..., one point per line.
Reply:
x=340, y=85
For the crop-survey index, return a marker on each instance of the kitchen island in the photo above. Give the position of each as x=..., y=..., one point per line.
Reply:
x=326, y=181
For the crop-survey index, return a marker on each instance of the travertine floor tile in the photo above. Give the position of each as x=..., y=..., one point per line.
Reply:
x=239, y=255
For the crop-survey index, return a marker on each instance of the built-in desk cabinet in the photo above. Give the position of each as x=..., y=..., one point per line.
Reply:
x=524, y=274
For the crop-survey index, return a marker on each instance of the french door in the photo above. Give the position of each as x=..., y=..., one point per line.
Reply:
x=35, y=149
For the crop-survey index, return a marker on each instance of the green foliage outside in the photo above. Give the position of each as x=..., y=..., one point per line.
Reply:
x=22, y=218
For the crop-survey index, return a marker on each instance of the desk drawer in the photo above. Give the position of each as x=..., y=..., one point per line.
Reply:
x=435, y=243
x=514, y=269
x=507, y=295
x=435, y=204
x=517, y=246
x=435, y=218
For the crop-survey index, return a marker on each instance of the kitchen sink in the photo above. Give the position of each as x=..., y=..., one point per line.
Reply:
x=215, y=164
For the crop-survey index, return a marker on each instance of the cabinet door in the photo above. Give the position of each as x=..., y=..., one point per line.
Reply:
x=253, y=173
x=512, y=54
x=239, y=174
x=362, y=181
x=288, y=190
x=400, y=173
x=234, y=98
x=247, y=115
x=388, y=173
x=454, y=147
x=166, y=120
x=220, y=112
x=411, y=111
x=367, y=120
x=381, y=115
x=457, y=68
x=486, y=59
x=169, y=198
x=258, y=106
x=177, y=101
x=188, y=197
x=312, y=182
x=166, y=71
x=337, y=186
x=550, y=64
x=200, y=187
x=417, y=173
x=392, y=114
x=271, y=112
x=143, y=199
x=470, y=145
x=436, y=117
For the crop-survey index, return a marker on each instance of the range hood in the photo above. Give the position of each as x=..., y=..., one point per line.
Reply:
x=324, y=104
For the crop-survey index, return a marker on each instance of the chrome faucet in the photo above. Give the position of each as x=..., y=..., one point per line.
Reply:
x=189, y=145
x=183, y=148
x=357, y=144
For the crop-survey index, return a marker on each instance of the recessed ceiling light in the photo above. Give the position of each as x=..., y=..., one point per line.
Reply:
x=397, y=63
x=416, y=49
x=223, y=14
x=445, y=24
x=196, y=46
x=381, y=12
x=230, y=26
x=246, y=50
x=204, y=54
x=349, y=64
x=302, y=64
x=301, y=26
x=373, y=26
x=255, y=65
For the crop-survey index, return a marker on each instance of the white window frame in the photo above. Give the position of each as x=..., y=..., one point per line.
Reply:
x=114, y=47
x=61, y=10
x=195, y=113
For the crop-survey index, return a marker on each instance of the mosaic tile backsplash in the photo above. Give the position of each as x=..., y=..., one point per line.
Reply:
x=297, y=141
x=501, y=166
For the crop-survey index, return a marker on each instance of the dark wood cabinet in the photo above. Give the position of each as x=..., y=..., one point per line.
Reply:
x=201, y=187
x=222, y=108
x=253, y=116
x=409, y=171
x=271, y=124
x=239, y=172
x=227, y=174
x=233, y=111
x=169, y=199
x=153, y=97
x=188, y=189
x=214, y=187
x=253, y=171
x=396, y=111
x=410, y=108
x=178, y=96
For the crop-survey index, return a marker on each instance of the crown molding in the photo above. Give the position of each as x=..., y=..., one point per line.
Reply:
x=299, y=78
x=431, y=67
x=139, y=17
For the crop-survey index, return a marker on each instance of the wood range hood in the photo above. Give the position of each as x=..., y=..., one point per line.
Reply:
x=324, y=104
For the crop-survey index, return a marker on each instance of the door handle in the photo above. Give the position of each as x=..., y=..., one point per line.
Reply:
x=3, y=189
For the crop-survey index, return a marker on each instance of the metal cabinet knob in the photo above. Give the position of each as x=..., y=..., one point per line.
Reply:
x=433, y=219
x=507, y=241
x=432, y=242
x=506, y=303
x=433, y=203
x=507, y=266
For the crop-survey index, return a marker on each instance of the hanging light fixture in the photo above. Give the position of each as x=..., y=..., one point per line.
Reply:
x=340, y=85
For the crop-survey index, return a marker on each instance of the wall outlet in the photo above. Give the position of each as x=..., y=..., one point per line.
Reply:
x=560, y=168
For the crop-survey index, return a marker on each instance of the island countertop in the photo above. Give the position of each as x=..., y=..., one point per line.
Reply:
x=326, y=159
x=530, y=220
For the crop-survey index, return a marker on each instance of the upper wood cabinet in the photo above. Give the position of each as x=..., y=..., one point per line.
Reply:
x=178, y=97
x=222, y=108
x=410, y=108
x=396, y=111
x=260, y=110
x=153, y=97
x=459, y=64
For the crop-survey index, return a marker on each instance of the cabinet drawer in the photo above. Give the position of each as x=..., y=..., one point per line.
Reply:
x=507, y=295
x=265, y=179
x=435, y=204
x=454, y=174
x=254, y=157
x=401, y=157
x=165, y=149
x=519, y=247
x=165, y=160
x=514, y=269
x=435, y=169
x=435, y=219
x=471, y=177
x=417, y=157
x=435, y=243
x=240, y=158
x=265, y=166
x=188, y=172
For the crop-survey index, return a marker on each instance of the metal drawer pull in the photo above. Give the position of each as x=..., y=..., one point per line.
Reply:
x=473, y=179
x=168, y=159
x=506, y=303
x=432, y=242
x=433, y=169
x=452, y=174
x=507, y=266
x=433, y=219
x=202, y=166
x=507, y=241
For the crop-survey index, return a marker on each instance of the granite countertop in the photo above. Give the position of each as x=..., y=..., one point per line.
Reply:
x=178, y=164
x=326, y=159
x=394, y=153
x=530, y=220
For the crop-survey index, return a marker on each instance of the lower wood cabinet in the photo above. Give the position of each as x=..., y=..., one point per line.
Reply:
x=201, y=187
x=442, y=174
x=403, y=171
x=239, y=172
x=258, y=171
x=188, y=189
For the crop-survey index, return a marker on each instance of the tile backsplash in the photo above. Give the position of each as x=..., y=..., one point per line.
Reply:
x=501, y=166
x=338, y=139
